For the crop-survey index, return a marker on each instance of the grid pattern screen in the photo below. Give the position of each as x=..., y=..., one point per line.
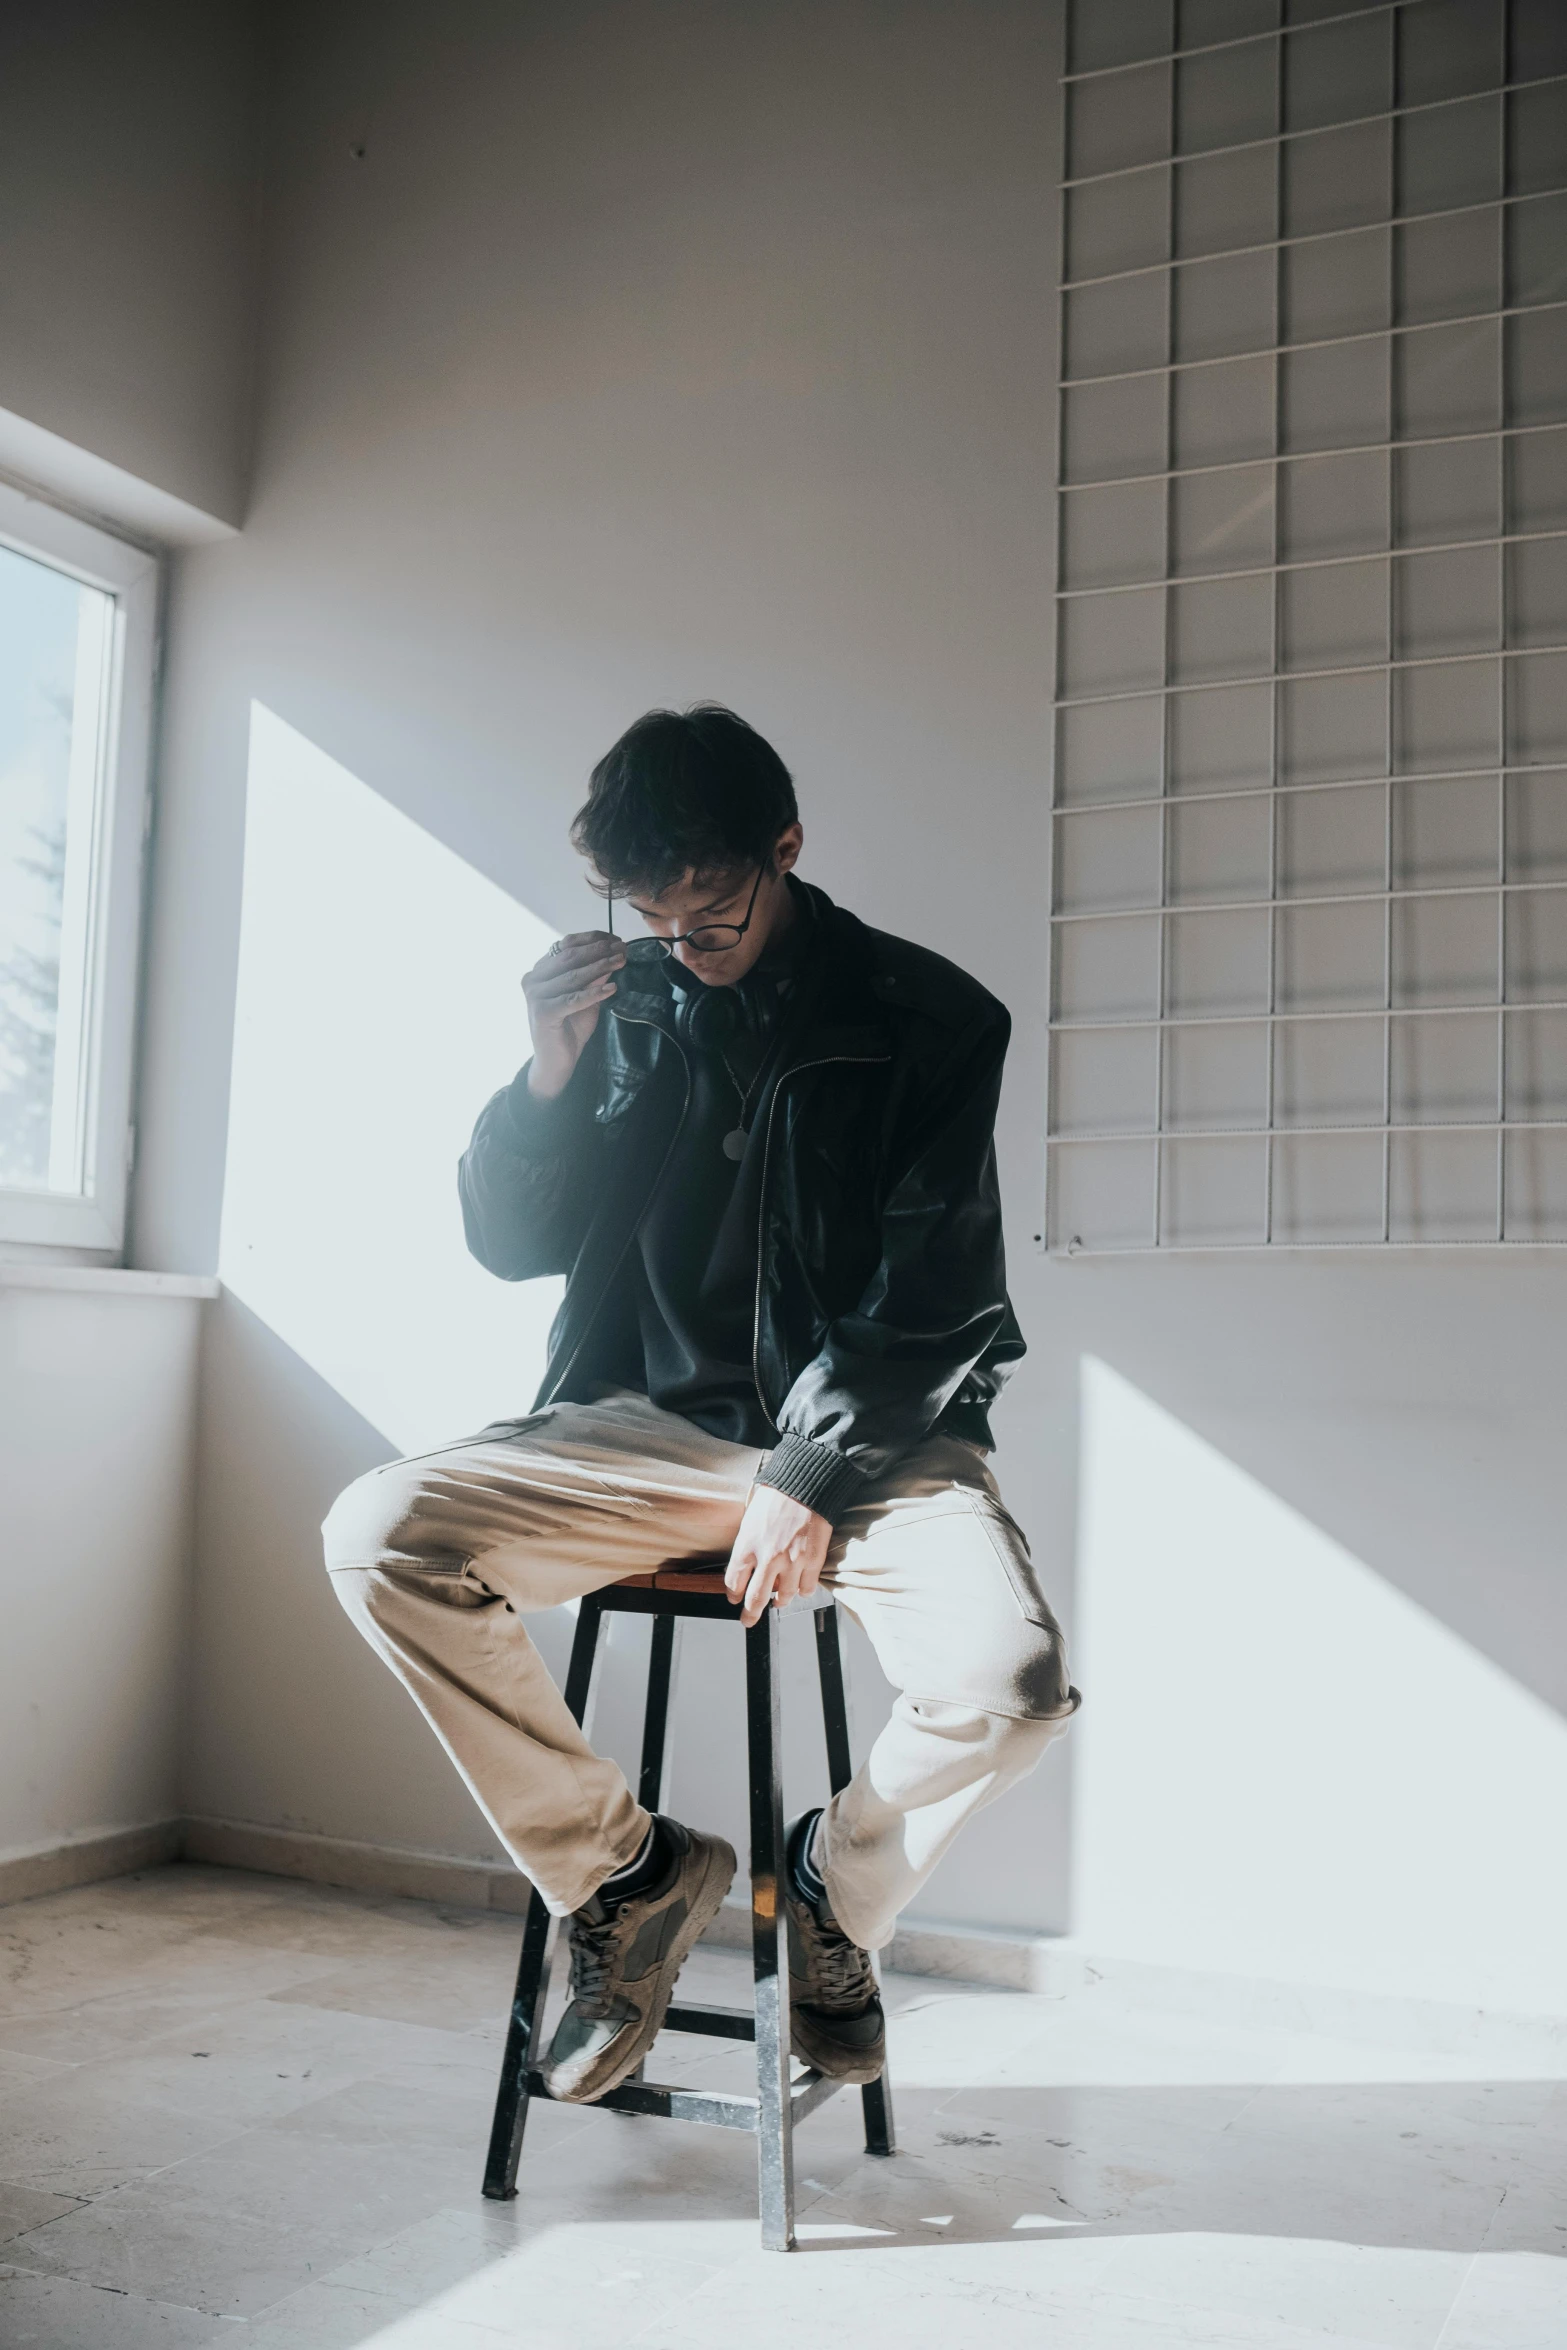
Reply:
x=1309, y=910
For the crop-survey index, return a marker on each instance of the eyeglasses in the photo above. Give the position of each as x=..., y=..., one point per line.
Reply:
x=708, y=938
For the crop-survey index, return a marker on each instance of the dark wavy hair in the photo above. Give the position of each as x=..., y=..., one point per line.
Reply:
x=683, y=791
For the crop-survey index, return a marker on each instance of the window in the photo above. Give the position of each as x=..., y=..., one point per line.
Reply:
x=77, y=629
x=1309, y=903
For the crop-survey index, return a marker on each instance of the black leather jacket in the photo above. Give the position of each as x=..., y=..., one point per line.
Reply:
x=881, y=1302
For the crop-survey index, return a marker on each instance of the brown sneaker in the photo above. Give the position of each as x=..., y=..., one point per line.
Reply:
x=835, y=2013
x=625, y=1956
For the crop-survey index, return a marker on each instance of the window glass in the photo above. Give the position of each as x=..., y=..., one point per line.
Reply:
x=56, y=639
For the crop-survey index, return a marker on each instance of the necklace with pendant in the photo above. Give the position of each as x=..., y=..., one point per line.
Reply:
x=739, y=1134
x=736, y=1139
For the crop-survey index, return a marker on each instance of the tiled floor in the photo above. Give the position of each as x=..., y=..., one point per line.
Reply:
x=235, y=2109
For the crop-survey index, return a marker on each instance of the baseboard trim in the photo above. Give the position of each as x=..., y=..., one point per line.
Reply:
x=87, y=1859
x=963, y=1954
x=357, y=1868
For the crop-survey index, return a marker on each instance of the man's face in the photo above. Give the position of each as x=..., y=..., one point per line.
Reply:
x=687, y=904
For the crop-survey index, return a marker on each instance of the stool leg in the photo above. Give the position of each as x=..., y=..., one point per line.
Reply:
x=769, y=1949
x=876, y=2096
x=655, y=1721
x=527, y=2006
x=655, y=1727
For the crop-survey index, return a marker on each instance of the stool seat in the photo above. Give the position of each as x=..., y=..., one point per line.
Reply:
x=694, y=1587
x=679, y=1575
x=704, y=1578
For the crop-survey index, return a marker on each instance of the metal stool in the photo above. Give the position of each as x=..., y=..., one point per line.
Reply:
x=696, y=1589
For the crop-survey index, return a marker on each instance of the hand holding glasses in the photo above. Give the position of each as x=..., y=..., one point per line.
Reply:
x=568, y=987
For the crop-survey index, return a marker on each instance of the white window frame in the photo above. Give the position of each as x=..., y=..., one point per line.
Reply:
x=93, y=1220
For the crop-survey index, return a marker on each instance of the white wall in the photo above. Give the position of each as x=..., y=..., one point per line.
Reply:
x=129, y=190
x=97, y=1436
x=649, y=354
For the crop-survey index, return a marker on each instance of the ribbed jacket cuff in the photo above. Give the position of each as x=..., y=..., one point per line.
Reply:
x=813, y=1474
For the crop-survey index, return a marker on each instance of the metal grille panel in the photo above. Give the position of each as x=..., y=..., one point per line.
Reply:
x=1309, y=899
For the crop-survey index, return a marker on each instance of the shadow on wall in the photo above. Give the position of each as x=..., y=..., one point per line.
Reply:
x=1286, y=1767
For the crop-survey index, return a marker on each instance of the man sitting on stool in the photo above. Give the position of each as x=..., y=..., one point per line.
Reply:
x=758, y=1141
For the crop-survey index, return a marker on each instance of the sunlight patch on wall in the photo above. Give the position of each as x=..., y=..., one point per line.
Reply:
x=378, y=1009
x=1286, y=1768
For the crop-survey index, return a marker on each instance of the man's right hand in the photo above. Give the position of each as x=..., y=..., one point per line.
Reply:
x=565, y=993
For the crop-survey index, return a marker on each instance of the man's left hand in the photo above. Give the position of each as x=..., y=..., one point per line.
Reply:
x=779, y=1553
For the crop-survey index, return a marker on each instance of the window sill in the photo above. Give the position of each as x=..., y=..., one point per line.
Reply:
x=106, y=1280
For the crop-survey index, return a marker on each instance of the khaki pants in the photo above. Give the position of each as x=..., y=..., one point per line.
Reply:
x=440, y=1557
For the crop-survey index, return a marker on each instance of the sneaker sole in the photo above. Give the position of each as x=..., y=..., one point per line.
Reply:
x=708, y=1899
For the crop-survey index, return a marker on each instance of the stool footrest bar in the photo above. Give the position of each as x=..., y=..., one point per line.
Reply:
x=663, y=2103
x=668, y=2104
x=719, y=2023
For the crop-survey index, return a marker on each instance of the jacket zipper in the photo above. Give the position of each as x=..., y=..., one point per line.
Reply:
x=569, y=1364
x=828, y=1061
